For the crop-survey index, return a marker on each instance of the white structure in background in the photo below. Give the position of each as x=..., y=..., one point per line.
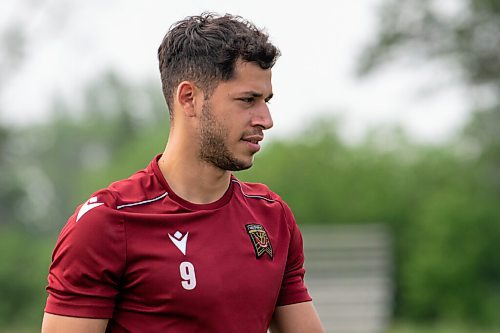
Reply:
x=349, y=274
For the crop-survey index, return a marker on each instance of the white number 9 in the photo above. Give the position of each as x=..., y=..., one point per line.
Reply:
x=188, y=275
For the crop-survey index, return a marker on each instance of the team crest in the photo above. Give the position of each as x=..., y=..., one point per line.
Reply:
x=260, y=240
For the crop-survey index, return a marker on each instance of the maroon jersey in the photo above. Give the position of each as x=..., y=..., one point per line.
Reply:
x=152, y=262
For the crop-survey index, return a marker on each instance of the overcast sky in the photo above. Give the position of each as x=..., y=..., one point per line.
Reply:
x=72, y=43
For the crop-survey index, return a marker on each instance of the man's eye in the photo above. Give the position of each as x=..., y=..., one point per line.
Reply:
x=247, y=99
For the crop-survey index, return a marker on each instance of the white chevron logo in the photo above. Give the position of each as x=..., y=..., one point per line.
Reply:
x=88, y=205
x=179, y=241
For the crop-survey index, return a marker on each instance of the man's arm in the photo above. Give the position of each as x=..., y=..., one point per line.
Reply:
x=296, y=318
x=63, y=324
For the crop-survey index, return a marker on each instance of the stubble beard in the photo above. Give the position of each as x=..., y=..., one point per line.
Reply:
x=213, y=148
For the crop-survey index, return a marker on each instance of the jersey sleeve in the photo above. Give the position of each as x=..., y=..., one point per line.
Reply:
x=293, y=289
x=88, y=261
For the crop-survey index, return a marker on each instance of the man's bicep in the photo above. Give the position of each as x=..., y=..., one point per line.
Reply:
x=296, y=318
x=61, y=324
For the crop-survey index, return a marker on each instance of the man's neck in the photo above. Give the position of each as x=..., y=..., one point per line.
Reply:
x=191, y=179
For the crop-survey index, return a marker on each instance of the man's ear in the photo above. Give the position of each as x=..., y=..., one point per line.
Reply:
x=188, y=95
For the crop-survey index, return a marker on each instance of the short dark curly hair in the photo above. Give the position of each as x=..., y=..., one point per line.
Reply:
x=204, y=49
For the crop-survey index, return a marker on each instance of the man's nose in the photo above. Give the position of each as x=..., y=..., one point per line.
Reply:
x=262, y=116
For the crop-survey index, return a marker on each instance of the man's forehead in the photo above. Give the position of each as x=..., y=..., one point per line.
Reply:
x=250, y=78
x=247, y=67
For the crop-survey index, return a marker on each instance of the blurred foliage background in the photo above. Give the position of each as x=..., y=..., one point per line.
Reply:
x=439, y=200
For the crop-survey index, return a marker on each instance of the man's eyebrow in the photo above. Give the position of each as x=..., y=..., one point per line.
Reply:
x=257, y=94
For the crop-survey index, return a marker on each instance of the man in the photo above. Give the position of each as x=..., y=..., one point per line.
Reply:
x=184, y=246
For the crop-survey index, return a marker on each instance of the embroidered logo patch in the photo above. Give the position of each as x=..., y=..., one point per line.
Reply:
x=260, y=240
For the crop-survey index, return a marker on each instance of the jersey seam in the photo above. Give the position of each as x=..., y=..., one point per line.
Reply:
x=288, y=220
x=142, y=202
x=124, y=269
x=252, y=195
x=125, y=264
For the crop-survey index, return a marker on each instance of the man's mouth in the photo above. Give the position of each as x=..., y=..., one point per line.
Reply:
x=253, y=142
x=255, y=139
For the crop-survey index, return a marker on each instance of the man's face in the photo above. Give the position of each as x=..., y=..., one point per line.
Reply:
x=234, y=117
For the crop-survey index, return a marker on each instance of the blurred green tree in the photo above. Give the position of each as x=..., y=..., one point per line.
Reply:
x=463, y=36
x=52, y=159
x=11, y=188
x=450, y=269
x=46, y=170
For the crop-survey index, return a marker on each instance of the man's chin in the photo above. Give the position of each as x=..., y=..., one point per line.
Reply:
x=231, y=165
x=240, y=165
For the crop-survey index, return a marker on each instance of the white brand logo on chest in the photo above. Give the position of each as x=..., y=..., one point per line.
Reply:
x=179, y=240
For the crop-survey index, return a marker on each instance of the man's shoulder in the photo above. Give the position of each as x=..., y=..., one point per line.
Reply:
x=266, y=199
x=257, y=190
x=139, y=187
